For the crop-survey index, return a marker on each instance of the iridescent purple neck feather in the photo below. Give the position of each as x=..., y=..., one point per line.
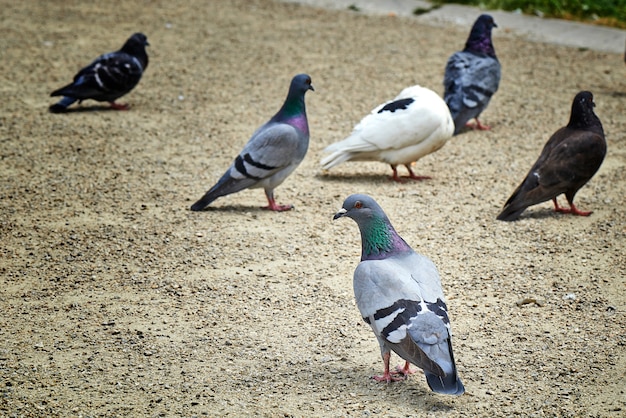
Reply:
x=479, y=40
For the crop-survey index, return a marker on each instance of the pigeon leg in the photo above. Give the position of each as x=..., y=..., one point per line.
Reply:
x=573, y=209
x=387, y=377
x=395, y=175
x=406, y=370
x=414, y=176
x=478, y=126
x=272, y=205
x=119, y=106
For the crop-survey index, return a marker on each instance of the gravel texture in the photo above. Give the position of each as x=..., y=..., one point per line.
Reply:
x=118, y=301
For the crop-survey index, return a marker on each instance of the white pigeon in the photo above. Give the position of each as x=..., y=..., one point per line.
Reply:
x=399, y=294
x=414, y=124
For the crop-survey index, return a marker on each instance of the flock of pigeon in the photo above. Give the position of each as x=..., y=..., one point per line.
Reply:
x=398, y=292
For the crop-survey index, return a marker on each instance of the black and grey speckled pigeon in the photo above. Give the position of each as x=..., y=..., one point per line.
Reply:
x=572, y=155
x=399, y=294
x=272, y=153
x=472, y=76
x=107, y=78
x=414, y=124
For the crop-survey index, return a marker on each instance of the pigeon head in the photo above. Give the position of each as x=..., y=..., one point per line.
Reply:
x=293, y=110
x=300, y=84
x=135, y=46
x=479, y=40
x=583, y=116
x=135, y=43
x=378, y=237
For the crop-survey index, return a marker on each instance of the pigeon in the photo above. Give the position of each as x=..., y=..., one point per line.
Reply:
x=272, y=153
x=572, y=155
x=107, y=78
x=472, y=76
x=398, y=293
x=416, y=123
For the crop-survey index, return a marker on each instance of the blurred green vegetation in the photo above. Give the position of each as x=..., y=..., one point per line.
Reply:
x=602, y=12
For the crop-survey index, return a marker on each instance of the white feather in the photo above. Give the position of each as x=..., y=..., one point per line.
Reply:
x=399, y=137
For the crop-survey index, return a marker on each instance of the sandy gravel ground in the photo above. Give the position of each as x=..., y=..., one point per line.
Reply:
x=118, y=301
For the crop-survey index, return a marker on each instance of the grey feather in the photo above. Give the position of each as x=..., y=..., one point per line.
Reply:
x=271, y=154
x=472, y=76
x=398, y=293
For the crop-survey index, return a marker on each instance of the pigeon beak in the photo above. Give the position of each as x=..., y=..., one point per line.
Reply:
x=311, y=87
x=339, y=214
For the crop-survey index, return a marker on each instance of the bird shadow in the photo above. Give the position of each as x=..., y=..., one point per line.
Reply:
x=363, y=178
x=235, y=208
x=84, y=109
x=540, y=214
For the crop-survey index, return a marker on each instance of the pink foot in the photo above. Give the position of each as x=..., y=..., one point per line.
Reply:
x=272, y=205
x=411, y=176
x=395, y=177
x=573, y=209
x=406, y=370
x=278, y=208
x=479, y=126
x=387, y=376
x=414, y=176
x=119, y=106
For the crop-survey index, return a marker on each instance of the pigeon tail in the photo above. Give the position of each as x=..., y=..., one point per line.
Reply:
x=62, y=105
x=335, y=158
x=516, y=204
x=511, y=213
x=205, y=201
x=447, y=385
x=225, y=186
x=450, y=384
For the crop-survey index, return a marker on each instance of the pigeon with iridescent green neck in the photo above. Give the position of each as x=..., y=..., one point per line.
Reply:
x=399, y=294
x=271, y=154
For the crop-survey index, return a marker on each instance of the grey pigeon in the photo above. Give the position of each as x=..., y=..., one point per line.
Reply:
x=414, y=124
x=572, y=155
x=398, y=293
x=472, y=76
x=107, y=78
x=272, y=153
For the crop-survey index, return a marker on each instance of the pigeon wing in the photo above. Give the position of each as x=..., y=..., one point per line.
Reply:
x=392, y=301
x=397, y=132
x=272, y=148
x=108, y=77
x=568, y=160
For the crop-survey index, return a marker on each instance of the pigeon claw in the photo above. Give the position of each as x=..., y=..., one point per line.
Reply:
x=389, y=377
x=278, y=208
x=119, y=106
x=411, y=176
x=572, y=209
x=478, y=126
x=406, y=370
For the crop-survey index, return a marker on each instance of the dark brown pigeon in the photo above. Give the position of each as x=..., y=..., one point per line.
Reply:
x=572, y=155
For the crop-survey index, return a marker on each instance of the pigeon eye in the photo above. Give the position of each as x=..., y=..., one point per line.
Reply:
x=358, y=204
